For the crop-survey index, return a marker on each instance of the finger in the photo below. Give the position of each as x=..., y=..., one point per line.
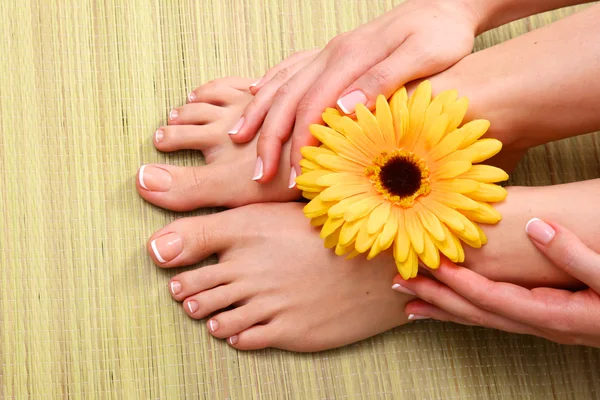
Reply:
x=566, y=251
x=305, y=55
x=449, y=301
x=257, y=109
x=193, y=137
x=405, y=64
x=420, y=309
x=195, y=114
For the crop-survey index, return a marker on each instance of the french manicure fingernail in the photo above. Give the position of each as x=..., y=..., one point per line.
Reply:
x=154, y=179
x=292, y=182
x=414, y=317
x=191, y=97
x=237, y=126
x=167, y=247
x=175, y=287
x=159, y=135
x=192, y=306
x=173, y=114
x=348, y=102
x=258, y=169
x=399, y=288
x=233, y=340
x=539, y=231
x=256, y=83
x=213, y=325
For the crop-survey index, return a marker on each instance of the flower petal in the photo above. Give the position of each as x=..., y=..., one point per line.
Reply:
x=485, y=173
x=488, y=193
x=369, y=125
x=417, y=106
x=385, y=121
x=436, y=130
x=448, y=246
x=340, y=192
x=332, y=240
x=309, y=179
x=364, y=240
x=341, y=250
x=307, y=165
x=451, y=169
x=317, y=207
x=339, y=164
x=318, y=221
x=457, y=112
x=485, y=214
x=408, y=265
x=456, y=185
x=358, y=138
x=311, y=152
x=389, y=231
x=473, y=130
x=378, y=217
x=399, y=108
x=350, y=230
x=339, y=144
x=450, y=217
x=431, y=223
x=479, y=151
x=447, y=145
x=402, y=241
x=330, y=226
x=340, y=208
x=309, y=195
x=414, y=229
x=454, y=200
x=330, y=110
x=342, y=178
x=362, y=208
x=430, y=255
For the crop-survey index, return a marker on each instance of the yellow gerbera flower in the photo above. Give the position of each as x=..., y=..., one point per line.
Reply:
x=404, y=177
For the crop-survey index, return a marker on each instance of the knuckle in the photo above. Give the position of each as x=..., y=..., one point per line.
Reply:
x=484, y=297
x=283, y=91
x=382, y=76
x=283, y=74
x=202, y=239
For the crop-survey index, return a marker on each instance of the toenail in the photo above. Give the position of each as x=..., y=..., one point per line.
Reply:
x=399, y=288
x=237, y=127
x=348, y=103
x=155, y=179
x=159, y=135
x=292, y=181
x=192, y=306
x=173, y=114
x=233, y=340
x=175, y=287
x=192, y=97
x=258, y=169
x=256, y=83
x=413, y=317
x=213, y=325
x=166, y=248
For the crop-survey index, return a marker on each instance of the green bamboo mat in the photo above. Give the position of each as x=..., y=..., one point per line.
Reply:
x=84, y=313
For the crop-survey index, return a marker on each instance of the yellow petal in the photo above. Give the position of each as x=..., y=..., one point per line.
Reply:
x=385, y=120
x=317, y=207
x=332, y=240
x=350, y=230
x=311, y=152
x=447, y=145
x=485, y=214
x=386, y=238
x=340, y=250
x=358, y=138
x=308, y=165
x=333, y=111
x=353, y=254
x=479, y=151
x=414, y=229
x=408, y=265
x=339, y=164
x=489, y=193
x=368, y=123
x=431, y=223
x=430, y=255
x=375, y=249
x=451, y=169
x=434, y=110
x=364, y=240
x=417, y=106
x=454, y=200
x=340, y=208
x=378, y=218
x=457, y=112
x=461, y=250
x=400, y=114
x=457, y=185
x=330, y=226
x=309, y=195
x=436, y=131
x=315, y=190
x=339, y=144
x=473, y=130
x=448, y=245
x=485, y=173
x=342, y=178
x=446, y=99
x=362, y=208
x=310, y=178
x=318, y=221
x=470, y=230
x=340, y=192
x=401, y=242
x=482, y=236
x=450, y=217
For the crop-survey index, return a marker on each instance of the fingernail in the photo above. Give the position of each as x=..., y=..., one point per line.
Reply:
x=173, y=114
x=348, y=103
x=399, y=288
x=258, y=169
x=256, y=83
x=233, y=340
x=539, y=231
x=413, y=317
x=159, y=135
x=167, y=247
x=292, y=182
x=213, y=325
x=154, y=179
x=237, y=127
x=175, y=287
x=191, y=97
x=192, y=306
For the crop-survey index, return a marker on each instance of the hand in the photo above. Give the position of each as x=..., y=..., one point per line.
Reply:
x=464, y=297
x=414, y=40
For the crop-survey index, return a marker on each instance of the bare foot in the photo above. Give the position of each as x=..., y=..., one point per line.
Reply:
x=287, y=291
x=226, y=180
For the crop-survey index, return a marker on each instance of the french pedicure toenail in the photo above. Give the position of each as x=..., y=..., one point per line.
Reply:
x=213, y=325
x=399, y=288
x=539, y=231
x=413, y=317
x=348, y=103
x=292, y=182
x=192, y=97
x=256, y=83
x=237, y=126
x=159, y=135
x=173, y=114
x=166, y=248
x=175, y=287
x=192, y=305
x=233, y=340
x=155, y=179
x=258, y=169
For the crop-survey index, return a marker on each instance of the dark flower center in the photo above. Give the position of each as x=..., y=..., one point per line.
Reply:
x=401, y=177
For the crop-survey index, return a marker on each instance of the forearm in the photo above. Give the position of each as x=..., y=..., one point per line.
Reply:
x=492, y=13
x=536, y=88
x=510, y=256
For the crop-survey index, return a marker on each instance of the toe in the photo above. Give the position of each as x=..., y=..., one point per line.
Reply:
x=188, y=137
x=187, y=241
x=195, y=113
x=190, y=283
x=221, y=92
x=254, y=338
x=207, y=302
x=234, y=321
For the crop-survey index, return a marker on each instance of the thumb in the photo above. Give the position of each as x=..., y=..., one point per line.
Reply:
x=566, y=251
